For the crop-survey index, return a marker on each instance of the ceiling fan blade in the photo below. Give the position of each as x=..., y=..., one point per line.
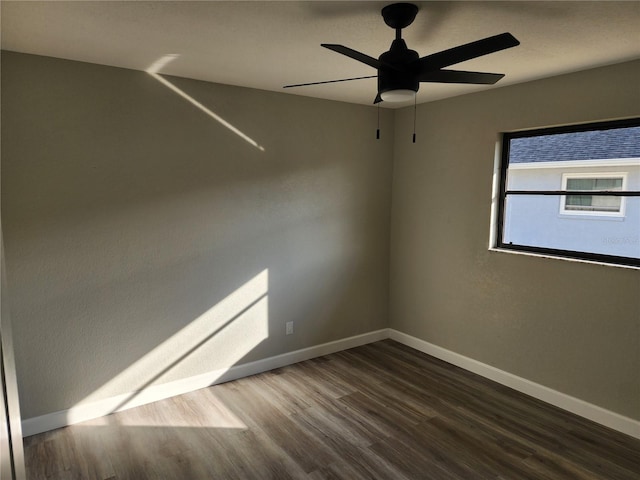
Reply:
x=349, y=52
x=465, y=52
x=378, y=99
x=460, y=76
x=329, y=81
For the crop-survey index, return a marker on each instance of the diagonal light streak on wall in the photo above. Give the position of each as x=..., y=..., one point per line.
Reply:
x=220, y=337
x=157, y=65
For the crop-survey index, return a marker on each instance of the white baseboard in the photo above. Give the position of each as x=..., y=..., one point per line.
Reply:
x=90, y=411
x=81, y=413
x=566, y=402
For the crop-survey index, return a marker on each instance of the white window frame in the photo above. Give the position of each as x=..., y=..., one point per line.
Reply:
x=503, y=193
x=593, y=213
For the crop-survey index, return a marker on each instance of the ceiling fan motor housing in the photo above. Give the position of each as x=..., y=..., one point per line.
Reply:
x=401, y=77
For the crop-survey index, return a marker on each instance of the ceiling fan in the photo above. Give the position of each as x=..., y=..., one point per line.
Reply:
x=401, y=70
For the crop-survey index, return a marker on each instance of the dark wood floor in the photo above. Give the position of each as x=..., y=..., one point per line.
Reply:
x=381, y=411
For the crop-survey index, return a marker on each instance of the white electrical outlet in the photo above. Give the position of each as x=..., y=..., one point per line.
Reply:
x=289, y=328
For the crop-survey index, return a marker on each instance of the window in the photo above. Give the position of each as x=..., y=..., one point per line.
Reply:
x=572, y=192
x=594, y=205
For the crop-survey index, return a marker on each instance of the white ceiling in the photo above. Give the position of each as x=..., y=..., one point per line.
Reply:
x=266, y=45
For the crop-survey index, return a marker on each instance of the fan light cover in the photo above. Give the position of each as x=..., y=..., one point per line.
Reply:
x=401, y=95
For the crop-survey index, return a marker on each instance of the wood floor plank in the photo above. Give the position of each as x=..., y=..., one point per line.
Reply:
x=366, y=465
x=424, y=461
x=476, y=451
x=382, y=411
x=280, y=428
x=324, y=378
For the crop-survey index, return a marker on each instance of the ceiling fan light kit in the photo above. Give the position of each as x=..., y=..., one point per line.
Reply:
x=398, y=95
x=401, y=70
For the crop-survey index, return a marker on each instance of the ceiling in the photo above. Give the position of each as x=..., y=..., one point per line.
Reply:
x=266, y=45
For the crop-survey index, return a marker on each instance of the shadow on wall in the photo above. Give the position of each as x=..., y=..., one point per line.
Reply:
x=143, y=238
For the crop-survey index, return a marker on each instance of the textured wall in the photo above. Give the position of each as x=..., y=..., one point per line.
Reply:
x=145, y=242
x=574, y=327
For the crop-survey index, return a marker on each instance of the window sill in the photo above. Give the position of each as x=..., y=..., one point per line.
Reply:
x=591, y=216
x=558, y=257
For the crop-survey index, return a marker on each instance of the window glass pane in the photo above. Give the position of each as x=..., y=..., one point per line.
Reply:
x=606, y=145
x=610, y=204
x=594, y=183
x=579, y=200
x=534, y=221
x=593, y=203
x=605, y=158
x=581, y=183
x=608, y=184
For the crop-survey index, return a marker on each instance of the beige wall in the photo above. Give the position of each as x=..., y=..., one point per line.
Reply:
x=146, y=242
x=141, y=235
x=574, y=327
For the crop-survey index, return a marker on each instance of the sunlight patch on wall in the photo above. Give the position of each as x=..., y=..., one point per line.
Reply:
x=160, y=63
x=215, y=341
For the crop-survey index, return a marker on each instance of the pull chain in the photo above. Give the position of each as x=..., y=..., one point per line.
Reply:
x=414, y=118
x=378, y=130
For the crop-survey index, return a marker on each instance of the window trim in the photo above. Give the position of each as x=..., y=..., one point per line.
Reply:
x=597, y=214
x=504, y=144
